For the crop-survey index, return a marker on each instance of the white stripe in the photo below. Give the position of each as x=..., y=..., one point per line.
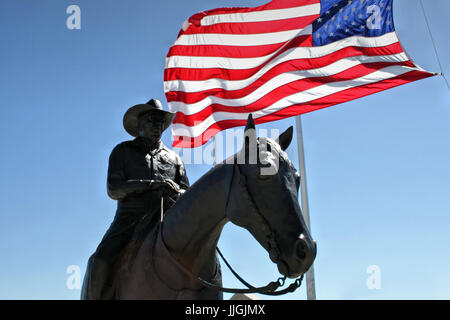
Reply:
x=216, y=62
x=291, y=54
x=300, y=97
x=226, y=63
x=222, y=39
x=282, y=79
x=266, y=15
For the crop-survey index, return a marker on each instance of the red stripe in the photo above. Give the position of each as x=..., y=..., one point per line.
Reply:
x=221, y=73
x=192, y=74
x=195, y=20
x=253, y=27
x=272, y=5
x=337, y=98
x=283, y=91
x=293, y=65
x=236, y=51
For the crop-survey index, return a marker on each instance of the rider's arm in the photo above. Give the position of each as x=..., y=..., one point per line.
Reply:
x=181, y=177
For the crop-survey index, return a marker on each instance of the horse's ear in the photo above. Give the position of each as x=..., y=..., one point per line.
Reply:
x=250, y=131
x=250, y=123
x=284, y=140
x=249, y=148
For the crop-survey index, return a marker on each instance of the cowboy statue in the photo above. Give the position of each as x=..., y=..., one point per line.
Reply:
x=146, y=178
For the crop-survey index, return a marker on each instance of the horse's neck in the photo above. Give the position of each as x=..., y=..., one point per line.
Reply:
x=192, y=227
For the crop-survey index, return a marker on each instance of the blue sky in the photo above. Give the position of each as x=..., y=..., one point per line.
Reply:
x=377, y=167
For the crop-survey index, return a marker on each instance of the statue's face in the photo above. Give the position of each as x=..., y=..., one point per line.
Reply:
x=151, y=125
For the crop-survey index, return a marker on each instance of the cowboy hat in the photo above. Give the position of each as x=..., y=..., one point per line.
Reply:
x=131, y=117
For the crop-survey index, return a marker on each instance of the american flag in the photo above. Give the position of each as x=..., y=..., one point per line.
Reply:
x=281, y=59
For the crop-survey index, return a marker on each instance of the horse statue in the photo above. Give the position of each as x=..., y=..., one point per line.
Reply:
x=177, y=257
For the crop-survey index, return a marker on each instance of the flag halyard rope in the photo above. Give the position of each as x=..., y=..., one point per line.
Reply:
x=434, y=44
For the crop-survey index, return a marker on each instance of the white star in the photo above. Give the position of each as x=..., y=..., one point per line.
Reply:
x=381, y=4
x=333, y=18
x=360, y=16
x=350, y=1
x=347, y=30
x=334, y=4
x=353, y=9
x=388, y=22
x=345, y=18
x=331, y=34
x=353, y=23
x=326, y=27
x=362, y=26
x=327, y=12
x=318, y=35
x=388, y=8
x=341, y=9
x=338, y=26
x=319, y=19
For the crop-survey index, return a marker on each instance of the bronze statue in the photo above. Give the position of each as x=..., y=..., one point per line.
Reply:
x=177, y=257
x=143, y=176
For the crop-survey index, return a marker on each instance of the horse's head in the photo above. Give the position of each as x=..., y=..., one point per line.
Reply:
x=263, y=199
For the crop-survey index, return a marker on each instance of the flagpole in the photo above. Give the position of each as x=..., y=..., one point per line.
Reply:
x=310, y=282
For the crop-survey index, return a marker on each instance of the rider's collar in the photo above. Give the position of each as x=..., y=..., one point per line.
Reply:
x=143, y=144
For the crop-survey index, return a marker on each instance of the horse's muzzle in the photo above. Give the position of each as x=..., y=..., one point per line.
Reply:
x=305, y=251
x=300, y=259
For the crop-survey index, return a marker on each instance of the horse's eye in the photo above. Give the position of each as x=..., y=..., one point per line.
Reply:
x=297, y=179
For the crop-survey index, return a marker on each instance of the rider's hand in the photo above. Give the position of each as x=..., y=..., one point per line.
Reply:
x=157, y=185
x=174, y=186
x=139, y=185
x=166, y=186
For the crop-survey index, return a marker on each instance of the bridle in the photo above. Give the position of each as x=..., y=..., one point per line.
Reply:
x=274, y=252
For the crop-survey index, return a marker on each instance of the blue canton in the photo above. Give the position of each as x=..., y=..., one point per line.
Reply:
x=341, y=19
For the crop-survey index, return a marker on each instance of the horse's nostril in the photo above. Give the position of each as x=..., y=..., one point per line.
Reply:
x=300, y=248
